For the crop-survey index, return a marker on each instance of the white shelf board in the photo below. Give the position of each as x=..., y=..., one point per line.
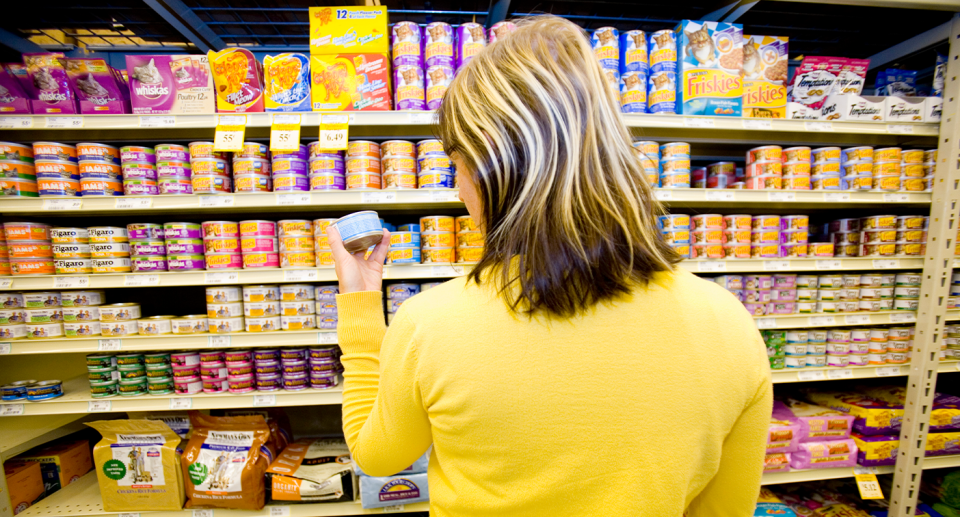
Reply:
x=953, y=315
x=772, y=266
x=840, y=319
x=82, y=498
x=832, y=373
x=941, y=462
x=948, y=366
x=77, y=400
x=797, y=476
x=31, y=431
x=174, y=342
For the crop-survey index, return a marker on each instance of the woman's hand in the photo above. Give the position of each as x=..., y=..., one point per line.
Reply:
x=354, y=272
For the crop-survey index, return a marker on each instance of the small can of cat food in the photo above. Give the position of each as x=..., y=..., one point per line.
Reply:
x=134, y=153
x=13, y=316
x=145, y=231
x=138, y=170
x=290, y=183
x=11, y=300
x=296, y=308
x=33, y=266
x=404, y=256
x=58, y=187
x=221, y=245
x=188, y=386
x=251, y=166
x=55, y=314
x=177, y=170
x=259, y=244
x=328, y=181
x=261, y=293
x=54, y=151
x=267, y=367
x=17, y=152
x=120, y=312
x=209, y=373
x=42, y=299
x=100, y=250
x=212, y=185
x=261, y=324
x=16, y=390
x=219, y=229
x=108, y=234
x=119, y=328
x=225, y=325
x=675, y=150
x=30, y=249
x=258, y=228
x=289, y=167
x=185, y=262
x=252, y=183
x=44, y=330
x=300, y=322
x=69, y=235
x=148, y=248
x=241, y=384
x=261, y=260
x=298, y=243
x=290, y=259
x=252, y=150
x=175, y=186
x=214, y=385
x=172, y=152
x=223, y=294
x=176, y=246
x=204, y=150
x=44, y=390
x=224, y=310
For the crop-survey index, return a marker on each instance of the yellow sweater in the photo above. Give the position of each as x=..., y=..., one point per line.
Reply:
x=652, y=406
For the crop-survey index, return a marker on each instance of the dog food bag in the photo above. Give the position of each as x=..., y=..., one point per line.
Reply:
x=278, y=422
x=224, y=462
x=784, y=434
x=138, y=466
x=818, y=423
x=377, y=492
x=312, y=470
x=873, y=416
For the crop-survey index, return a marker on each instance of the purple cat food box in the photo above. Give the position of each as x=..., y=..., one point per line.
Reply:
x=410, y=93
x=12, y=98
x=96, y=87
x=170, y=85
x=471, y=39
x=52, y=91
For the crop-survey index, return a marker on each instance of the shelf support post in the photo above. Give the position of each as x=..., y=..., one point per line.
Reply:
x=931, y=314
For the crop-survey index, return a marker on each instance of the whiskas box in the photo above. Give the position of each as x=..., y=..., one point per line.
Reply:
x=350, y=82
x=170, y=85
x=96, y=87
x=709, y=61
x=51, y=87
x=765, y=76
x=286, y=82
x=349, y=29
x=238, y=79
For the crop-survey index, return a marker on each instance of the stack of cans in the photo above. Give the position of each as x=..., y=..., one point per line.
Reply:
x=290, y=171
x=240, y=371
x=634, y=71
x=148, y=250
x=324, y=363
x=297, y=307
x=326, y=304
x=294, y=369
x=437, y=239
x=266, y=364
x=407, y=55
x=213, y=371
x=737, y=233
x=261, y=306
x=435, y=167
x=4, y=253
x=662, y=83
x=929, y=168
x=321, y=244
x=223, y=302
x=120, y=319
x=764, y=172
x=649, y=160
x=405, y=245
x=396, y=295
x=675, y=229
x=469, y=240
x=706, y=236
x=438, y=59
x=159, y=372
x=209, y=169
x=71, y=250
x=471, y=38
x=19, y=176
x=675, y=165
x=252, y=169
x=133, y=375
x=259, y=244
x=606, y=45
x=297, y=243
x=53, y=177
x=221, y=244
x=363, y=165
x=103, y=375
x=109, y=249
x=398, y=159
x=914, y=171
x=887, y=166
x=327, y=169
x=184, y=246
x=138, y=166
x=173, y=169
x=81, y=313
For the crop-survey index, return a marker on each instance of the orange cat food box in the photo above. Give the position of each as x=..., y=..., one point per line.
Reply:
x=765, y=76
x=349, y=29
x=709, y=64
x=238, y=78
x=350, y=82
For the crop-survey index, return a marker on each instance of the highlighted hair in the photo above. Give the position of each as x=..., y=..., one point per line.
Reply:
x=569, y=217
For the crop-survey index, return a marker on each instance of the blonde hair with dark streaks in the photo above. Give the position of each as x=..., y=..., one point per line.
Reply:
x=570, y=218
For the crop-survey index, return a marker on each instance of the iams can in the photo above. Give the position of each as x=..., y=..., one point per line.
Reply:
x=54, y=151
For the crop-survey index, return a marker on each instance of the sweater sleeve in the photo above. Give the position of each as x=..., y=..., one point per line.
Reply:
x=384, y=420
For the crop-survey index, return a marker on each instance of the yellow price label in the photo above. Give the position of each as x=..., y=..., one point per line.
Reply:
x=334, y=132
x=868, y=486
x=230, y=131
x=285, y=132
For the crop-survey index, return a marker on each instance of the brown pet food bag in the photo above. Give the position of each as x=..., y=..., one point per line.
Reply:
x=224, y=462
x=138, y=466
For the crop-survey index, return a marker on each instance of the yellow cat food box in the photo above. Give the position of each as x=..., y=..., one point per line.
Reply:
x=765, y=76
x=350, y=82
x=709, y=63
x=356, y=30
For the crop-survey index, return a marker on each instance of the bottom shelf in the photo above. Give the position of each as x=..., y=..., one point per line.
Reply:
x=83, y=498
x=941, y=462
x=797, y=476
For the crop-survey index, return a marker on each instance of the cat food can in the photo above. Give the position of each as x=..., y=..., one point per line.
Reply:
x=138, y=170
x=261, y=293
x=262, y=324
x=32, y=266
x=221, y=245
x=662, y=92
x=120, y=312
x=438, y=255
x=77, y=265
x=185, y=262
x=212, y=185
x=179, y=246
x=209, y=373
x=766, y=152
x=190, y=386
x=251, y=166
x=193, y=324
x=219, y=229
x=49, y=315
x=133, y=153
x=145, y=231
x=44, y=330
x=69, y=235
x=13, y=316
x=148, y=248
x=224, y=310
x=258, y=228
x=30, y=249
x=436, y=180
x=289, y=166
x=297, y=259
x=182, y=231
x=155, y=325
x=108, y=234
x=223, y=294
x=16, y=187
x=58, y=187
x=259, y=244
x=261, y=260
x=175, y=186
x=252, y=183
x=180, y=170
x=176, y=152
x=252, y=150
x=404, y=256
x=215, y=385
x=14, y=151
x=26, y=231
x=98, y=187
x=81, y=328
x=298, y=322
x=328, y=181
x=663, y=51
x=675, y=150
x=363, y=148
x=360, y=230
x=109, y=249
x=295, y=228
x=290, y=183
x=111, y=265
x=54, y=151
x=44, y=390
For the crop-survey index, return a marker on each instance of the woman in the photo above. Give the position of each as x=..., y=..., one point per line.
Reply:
x=576, y=370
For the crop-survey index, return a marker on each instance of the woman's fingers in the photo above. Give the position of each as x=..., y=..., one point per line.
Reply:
x=336, y=244
x=380, y=252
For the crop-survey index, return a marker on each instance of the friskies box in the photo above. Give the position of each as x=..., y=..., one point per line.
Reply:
x=709, y=64
x=765, y=76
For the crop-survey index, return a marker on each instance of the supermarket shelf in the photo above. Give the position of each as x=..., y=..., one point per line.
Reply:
x=941, y=462
x=32, y=431
x=808, y=264
x=793, y=321
x=953, y=315
x=797, y=476
x=948, y=366
x=825, y=374
x=173, y=342
x=77, y=400
x=82, y=497
x=244, y=276
x=936, y=5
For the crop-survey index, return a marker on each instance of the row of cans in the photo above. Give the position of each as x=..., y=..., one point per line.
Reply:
x=836, y=154
x=830, y=281
x=439, y=44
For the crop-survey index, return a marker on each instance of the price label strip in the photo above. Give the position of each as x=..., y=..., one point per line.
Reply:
x=230, y=131
x=867, y=484
x=334, y=131
x=285, y=132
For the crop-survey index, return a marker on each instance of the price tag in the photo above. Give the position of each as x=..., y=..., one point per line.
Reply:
x=129, y=515
x=886, y=264
x=64, y=122
x=71, y=282
x=99, y=406
x=423, y=118
x=888, y=371
x=836, y=197
x=134, y=202
x=782, y=196
x=844, y=373
x=215, y=201
x=818, y=126
x=326, y=338
x=446, y=271
x=181, y=403
x=164, y=121
x=868, y=486
x=812, y=375
x=857, y=319
x=140, y=280
x=378, y=197
x=300, y=275
x=445, y=196
x=6, y=283
x=766, y=323
x=395, y=508
x=903, y=317
x=279, y=511
x=720, y=195
x=896, y=198
x=230, y=130
x=663, y=195
x=829, y=264
x=108, y=345
x=334, y=130
x=823, y=320
x=62, y=204
x=757, y=124
x=285, y=132
x=900, y=129
x=16, y=122
x=11, y=409
x=301, y=198
x=229, y=277
x=699, y=122
x=5, y=348
x=264, y=400
x=776, y=265
x=711, y=266
x=203, y=513
x=218, y=341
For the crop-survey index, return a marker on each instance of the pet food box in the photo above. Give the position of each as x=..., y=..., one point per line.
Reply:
x=709, y=61
x=850, y=106
x=933, y=108
x=286, y=82
x=61, y=463
x=350, y=82
x=24, y=484
x=800, y=111
x=238, y=78
x=904, y=109
x=96, y=87
x=170, y=84
x=357, y=30
x=765, y=76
